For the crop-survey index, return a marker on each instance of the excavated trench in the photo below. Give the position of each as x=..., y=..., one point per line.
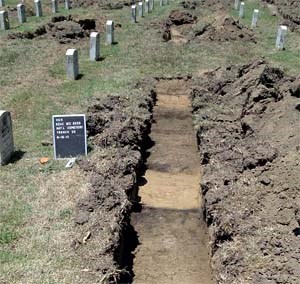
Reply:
x=172, y=237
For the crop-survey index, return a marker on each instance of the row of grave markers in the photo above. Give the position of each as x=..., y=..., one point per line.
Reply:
x=72, y=65
x=282, y=30
x=4, y=20
x=69, y=131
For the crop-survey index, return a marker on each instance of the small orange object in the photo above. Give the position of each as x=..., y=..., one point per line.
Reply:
x=44, y=160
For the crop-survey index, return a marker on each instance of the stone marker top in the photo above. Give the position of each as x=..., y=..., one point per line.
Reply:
x=109, y=22
x=70, y=51
x=94, y=34
x=133, y=6
x=20, y=5
x=284, y=28
x=256, y=11
x=36, y=1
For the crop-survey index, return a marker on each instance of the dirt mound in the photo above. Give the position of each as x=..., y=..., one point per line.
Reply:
x=248, y=135
x=105, y=212
x=104, y=4
x=65, y=29
x=115, y=127
x=208, y=4
x=182, y=27
x=178, y=18
x=290, y=10
x=224, y=28
x=182, y=20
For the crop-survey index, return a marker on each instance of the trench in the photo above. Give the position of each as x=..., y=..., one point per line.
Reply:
x=172, y=237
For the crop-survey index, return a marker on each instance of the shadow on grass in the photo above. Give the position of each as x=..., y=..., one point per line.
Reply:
x=17, y=155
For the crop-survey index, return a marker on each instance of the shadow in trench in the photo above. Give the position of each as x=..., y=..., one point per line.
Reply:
x=130, y=239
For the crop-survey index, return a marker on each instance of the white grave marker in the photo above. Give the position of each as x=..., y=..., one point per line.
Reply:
x=6, y=137
x=255, y=18
x=242, y=10
x=146, y=6
x=54, y=6
x=237, y=4
x=4, y=22
x=67, y=4
x=151, y=5
x=72, y=64
x=280, y=40
x=94, y=46
x=38, y=8
x=141, y=9
x=133, y=13
x=110, y=30
x=21, y=13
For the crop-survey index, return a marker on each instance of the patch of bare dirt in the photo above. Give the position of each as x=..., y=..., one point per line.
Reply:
x=104, y=4
x=178, y=22
x=208, y=4
x=116, y=130
x=290, y=11
x=224, y=28
x=182, y=27
x=248, y=133
x=172, y=240
x=65, y=29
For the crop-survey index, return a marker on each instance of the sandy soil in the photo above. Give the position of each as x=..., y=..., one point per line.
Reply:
x=173, y=240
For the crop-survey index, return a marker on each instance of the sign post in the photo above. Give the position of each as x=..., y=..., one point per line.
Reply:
x=69, y=135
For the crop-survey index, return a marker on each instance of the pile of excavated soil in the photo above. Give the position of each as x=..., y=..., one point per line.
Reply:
x=224, y=28
x=117, y=126
x=182, y=22
x=248, y=120
x=65, y=29
x=182, y=26
x=210, y=4
x=290, y=10
x=104, y=4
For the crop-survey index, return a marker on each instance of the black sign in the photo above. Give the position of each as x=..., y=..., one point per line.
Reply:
x=69, y=135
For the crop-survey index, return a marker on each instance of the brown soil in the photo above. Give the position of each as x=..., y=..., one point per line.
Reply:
x=172, y=237
x=104, y=4
x=178, y=22
x=102, y=217
x=224, y=28
x=248, y=134
x=182, y=27
x=290, y=10
x=208, y=4
x=67, y=29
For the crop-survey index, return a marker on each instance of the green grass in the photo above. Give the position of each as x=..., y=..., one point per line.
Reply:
x=266, y=33
x=36, y=200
